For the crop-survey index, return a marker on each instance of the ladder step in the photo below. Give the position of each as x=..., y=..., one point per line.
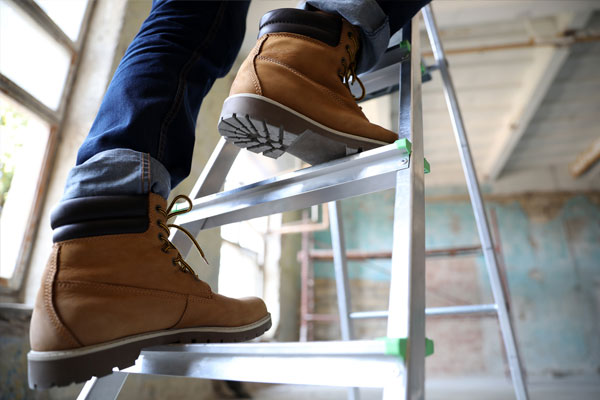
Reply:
x=456, y=310
x=362, y=173
x=361, y=363
x=452, y=310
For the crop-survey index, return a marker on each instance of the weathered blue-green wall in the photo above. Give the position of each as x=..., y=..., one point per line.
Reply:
x=551, y=249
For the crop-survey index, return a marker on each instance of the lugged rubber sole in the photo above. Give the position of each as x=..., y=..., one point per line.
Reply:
x=265, y=126
x=60, y=368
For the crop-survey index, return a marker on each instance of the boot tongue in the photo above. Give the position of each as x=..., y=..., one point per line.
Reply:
x=321, y=26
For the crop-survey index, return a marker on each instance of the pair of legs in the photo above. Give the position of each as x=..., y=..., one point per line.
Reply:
x=114, y=283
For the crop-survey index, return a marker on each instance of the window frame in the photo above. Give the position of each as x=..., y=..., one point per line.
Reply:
x=11, y=287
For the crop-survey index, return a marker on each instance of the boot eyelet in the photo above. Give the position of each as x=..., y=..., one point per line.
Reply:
x=347, y=47
x=349, y=34
x=161, y=237
x=174, y=261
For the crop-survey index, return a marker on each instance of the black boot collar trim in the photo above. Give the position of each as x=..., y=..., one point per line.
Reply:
x=98, y=216
x=324, y=27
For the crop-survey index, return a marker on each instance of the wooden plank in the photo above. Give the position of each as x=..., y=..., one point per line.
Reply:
x=586, y=159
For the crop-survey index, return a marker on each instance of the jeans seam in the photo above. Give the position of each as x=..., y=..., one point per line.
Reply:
x=145, y=171
x=142, y=173
x=149, y=173
x=177, y=100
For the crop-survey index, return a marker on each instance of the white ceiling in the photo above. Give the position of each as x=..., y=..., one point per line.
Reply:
x=524, y=131
x=529, y=111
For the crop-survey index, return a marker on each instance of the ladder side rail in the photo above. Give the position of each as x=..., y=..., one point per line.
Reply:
x=210, y=181
x=217, y=168
x=305, y=262
x=506, y=328
x=407, y=286
x=106, y=388
x=341, y=269
x=342, y=285
x=405, y=95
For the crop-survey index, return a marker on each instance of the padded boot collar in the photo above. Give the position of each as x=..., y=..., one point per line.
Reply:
x=99, y=215
x=321, y=26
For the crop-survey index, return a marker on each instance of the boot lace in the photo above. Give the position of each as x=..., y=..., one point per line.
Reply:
x=348, y=72
x=178, y=261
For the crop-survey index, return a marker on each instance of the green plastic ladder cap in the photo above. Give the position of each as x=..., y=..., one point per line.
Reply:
x=404, y=144
x=429, y=347
x=395, y=347
x=405, y=44
x=427, y=166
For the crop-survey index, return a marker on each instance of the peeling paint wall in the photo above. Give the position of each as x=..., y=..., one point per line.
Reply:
x=551, y=250
x=14, y=322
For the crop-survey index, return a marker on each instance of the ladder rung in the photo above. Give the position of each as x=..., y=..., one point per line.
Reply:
x=456, y=310
x=335, y=363
x=367, y=172
x=452, y=310
x=368, y=314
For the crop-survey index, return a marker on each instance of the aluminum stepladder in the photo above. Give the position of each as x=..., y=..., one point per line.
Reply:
x=396, y=364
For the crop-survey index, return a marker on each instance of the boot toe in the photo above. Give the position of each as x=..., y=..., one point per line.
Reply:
x=254, y=309
x=239, y=312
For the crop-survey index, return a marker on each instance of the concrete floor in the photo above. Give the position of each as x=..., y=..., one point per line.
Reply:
x=455, y=389
x=165, y=388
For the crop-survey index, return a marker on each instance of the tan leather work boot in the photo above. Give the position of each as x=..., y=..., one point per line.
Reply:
x=114, y=284
x=292, y=93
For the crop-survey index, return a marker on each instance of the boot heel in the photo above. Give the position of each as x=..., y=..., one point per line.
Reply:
x=262, y=125
x=46, y=371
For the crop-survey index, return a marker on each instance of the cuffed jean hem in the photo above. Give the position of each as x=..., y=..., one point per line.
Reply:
x=368, y=16
x=118, y=172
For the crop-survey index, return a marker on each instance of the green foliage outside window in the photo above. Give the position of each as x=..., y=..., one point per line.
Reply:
x=10, y=144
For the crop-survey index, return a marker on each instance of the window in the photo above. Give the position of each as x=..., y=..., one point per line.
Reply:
x=40, y=42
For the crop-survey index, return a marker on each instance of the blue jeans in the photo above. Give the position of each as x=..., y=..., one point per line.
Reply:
x=143, y=136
